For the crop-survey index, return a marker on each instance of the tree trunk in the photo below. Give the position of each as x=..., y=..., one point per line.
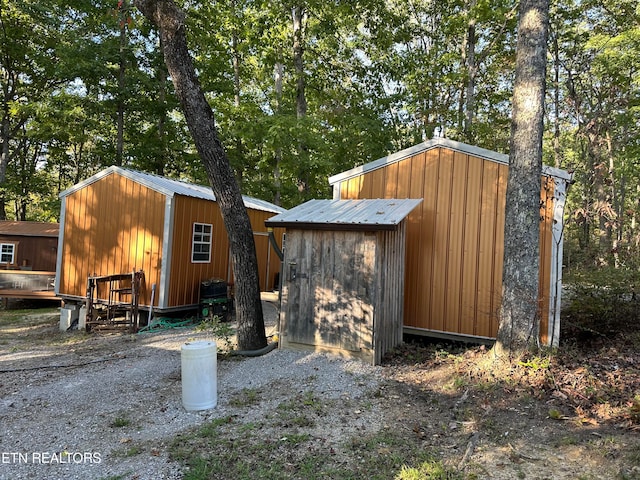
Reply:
x=298, y=16
x=235, y=59
x=519, y=312
x=470, y=63
x=170, y=21
x=556, y=103
x=4, y=159
x=122, y=70
x=161, y=78
x=298, y=62
x=277, y=184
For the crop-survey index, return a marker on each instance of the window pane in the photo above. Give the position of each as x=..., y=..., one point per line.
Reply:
x=201, y=243
x=7, y=251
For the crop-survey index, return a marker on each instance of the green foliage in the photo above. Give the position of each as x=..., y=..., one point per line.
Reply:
x=120, y=422
x=378, y=76
x=429, y=470
x=536, y=363
x=600, y=302
x=220, y=330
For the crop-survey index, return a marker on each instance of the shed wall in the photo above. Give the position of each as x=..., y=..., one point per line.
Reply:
x=185, y=277
x=114, y=225
x=37, y=253
x=455, y=238
x=326, y=295
x=342, y=291
x=117, y=225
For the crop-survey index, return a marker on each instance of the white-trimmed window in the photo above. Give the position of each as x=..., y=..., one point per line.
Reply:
x=7, y=253
x=201, y=243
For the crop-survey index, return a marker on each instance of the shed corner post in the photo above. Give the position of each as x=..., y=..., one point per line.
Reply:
x=167, y=243
x=63, y=214
x=336, y=190
x=557, y=232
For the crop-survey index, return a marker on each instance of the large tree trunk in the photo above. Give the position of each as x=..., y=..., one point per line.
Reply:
x=170, y=21
x=298, y=17
x=472, y=69
x=278, y=74
x=122, y=70
x=519, y=313
x=5, y=132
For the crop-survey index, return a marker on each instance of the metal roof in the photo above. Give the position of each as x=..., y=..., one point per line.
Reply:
x=170, y=187
x=379, y=214
x=436, y=143
x=29, y=229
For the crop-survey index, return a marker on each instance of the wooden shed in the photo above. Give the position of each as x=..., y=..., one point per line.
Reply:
x=28, y=245
x=28, y=259
x=343, y=279
x=120, y=221
x=455, y=238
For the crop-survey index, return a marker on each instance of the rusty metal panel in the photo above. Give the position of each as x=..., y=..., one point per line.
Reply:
x=486, y=295
x=423, y=291
x=503, y=172
x=391, y=182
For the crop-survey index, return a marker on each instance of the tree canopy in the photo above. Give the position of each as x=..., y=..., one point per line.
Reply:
x=83, y=86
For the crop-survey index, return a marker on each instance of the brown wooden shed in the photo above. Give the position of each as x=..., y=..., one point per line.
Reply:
x=343, y=280
x=455, y=238
x=27, y=259
x=119, y=221
x=28, y=245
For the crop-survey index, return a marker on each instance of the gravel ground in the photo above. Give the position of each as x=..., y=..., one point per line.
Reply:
x=109, y=406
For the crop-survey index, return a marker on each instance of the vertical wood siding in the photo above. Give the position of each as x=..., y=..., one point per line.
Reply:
x=455, y=238
x=185, y=276
x=38, y=253
x=345, y=295
x=546, y=247
x=116, y=225
x=111, y=226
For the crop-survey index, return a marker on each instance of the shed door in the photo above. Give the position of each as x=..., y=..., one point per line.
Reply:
x=329, y=289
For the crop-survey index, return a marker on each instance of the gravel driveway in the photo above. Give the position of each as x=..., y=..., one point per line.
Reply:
x=108, y=406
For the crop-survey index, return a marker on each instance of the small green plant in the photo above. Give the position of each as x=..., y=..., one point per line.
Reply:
x=429, y=470
x=210, y=429
x=246, y=397
x=120, y=422
x=115, y=477
x=219, y=330
x=634, y=409
x=536, y=363
x=555, y=414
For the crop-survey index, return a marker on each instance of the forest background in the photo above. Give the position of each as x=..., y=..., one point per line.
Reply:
x=306, y=89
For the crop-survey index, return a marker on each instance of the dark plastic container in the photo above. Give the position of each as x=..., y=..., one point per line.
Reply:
x=213, y=288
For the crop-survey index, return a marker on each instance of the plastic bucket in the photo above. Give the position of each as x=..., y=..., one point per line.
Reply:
x=199, y=376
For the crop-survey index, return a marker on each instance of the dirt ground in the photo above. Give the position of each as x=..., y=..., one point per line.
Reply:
x=573, y=415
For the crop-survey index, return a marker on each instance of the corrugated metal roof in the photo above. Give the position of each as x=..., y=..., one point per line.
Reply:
x=29, y=229
x=379, y=214
x=170, y=187
x=435, y=143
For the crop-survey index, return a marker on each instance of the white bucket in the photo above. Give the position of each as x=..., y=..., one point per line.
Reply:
x=199, y=376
